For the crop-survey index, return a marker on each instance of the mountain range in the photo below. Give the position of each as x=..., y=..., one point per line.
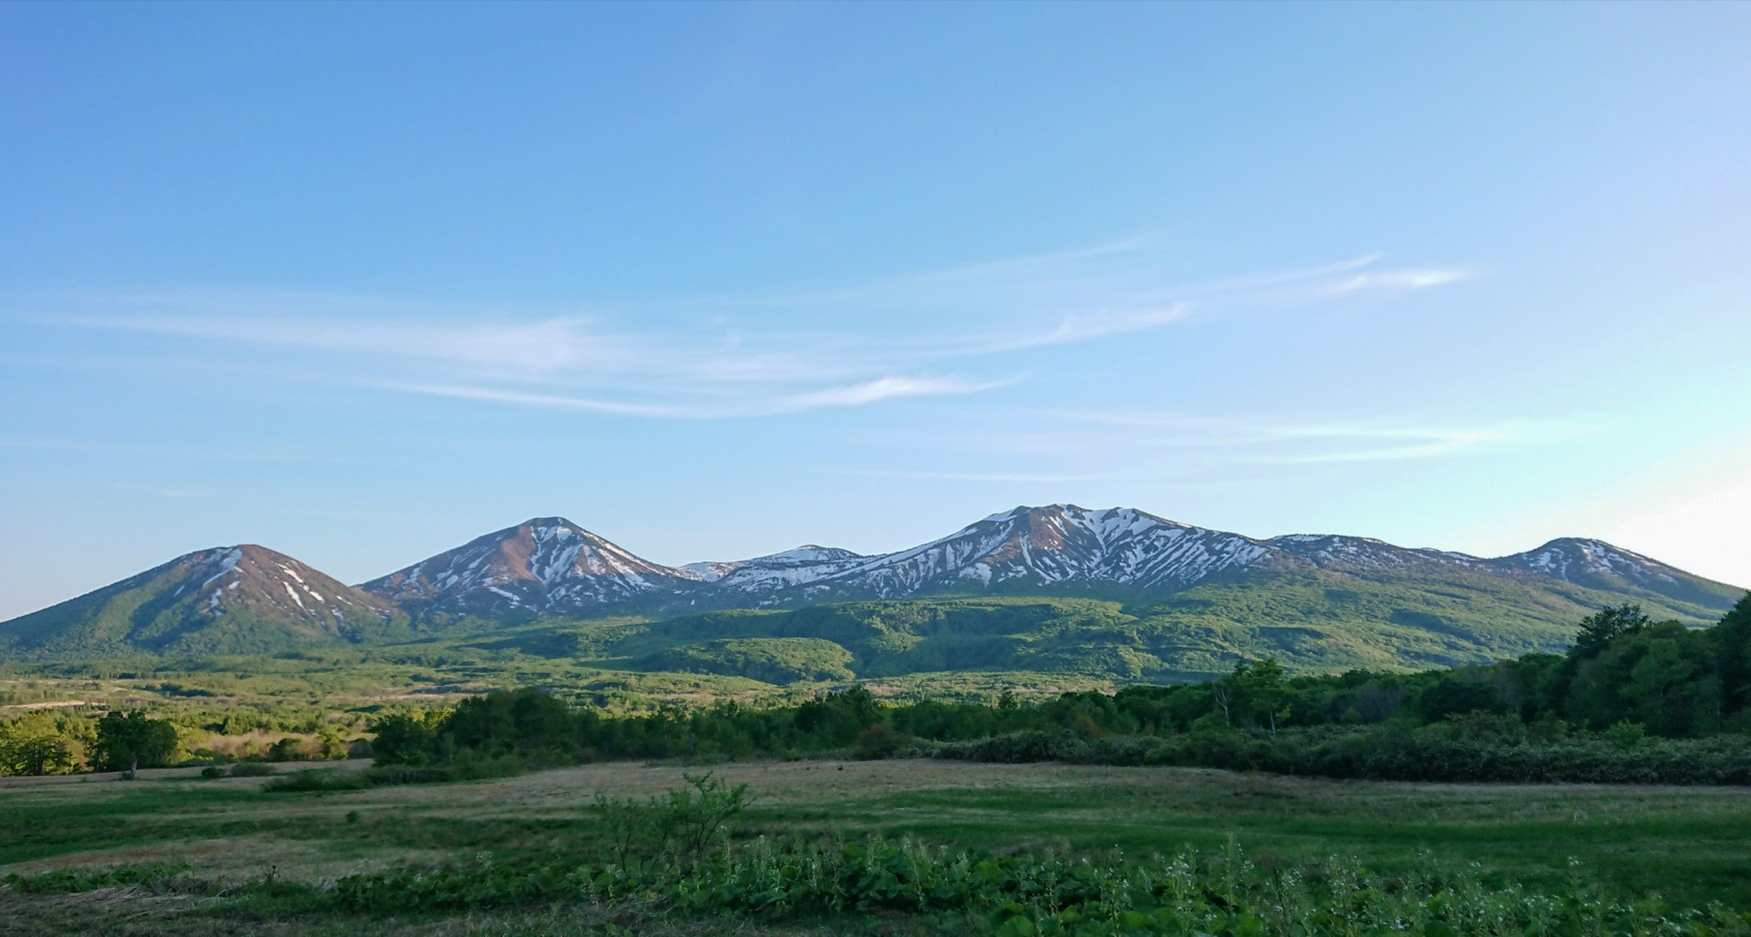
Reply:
x=1334, y=600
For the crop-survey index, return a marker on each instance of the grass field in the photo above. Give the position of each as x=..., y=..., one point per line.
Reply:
x=1690, y=845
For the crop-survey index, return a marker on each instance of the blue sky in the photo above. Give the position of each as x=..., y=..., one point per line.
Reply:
x=360, y=282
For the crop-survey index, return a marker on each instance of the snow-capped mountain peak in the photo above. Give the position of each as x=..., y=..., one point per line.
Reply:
x=1579, y=559
x=807, y=553
x=262, y=582
x=1052, y=544
x=545, y=564
x=776, y=571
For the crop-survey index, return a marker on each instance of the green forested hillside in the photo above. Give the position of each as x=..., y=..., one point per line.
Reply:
x=184, y=608
x=1311, y=622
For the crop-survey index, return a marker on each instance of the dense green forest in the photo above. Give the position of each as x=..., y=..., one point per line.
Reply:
x=1632, y=699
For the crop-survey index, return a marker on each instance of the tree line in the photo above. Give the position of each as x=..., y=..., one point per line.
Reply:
x=1626, y=684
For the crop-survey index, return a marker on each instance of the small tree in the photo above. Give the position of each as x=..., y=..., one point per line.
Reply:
x=401, y=740
x=1601, y=627
x=1222, y=697
x=127, y=742
x=1260, y=688
x=1733, y=647
x=25, y=752
x=43, y=755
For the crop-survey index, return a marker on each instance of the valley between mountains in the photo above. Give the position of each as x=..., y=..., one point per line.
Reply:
x=1114, y=595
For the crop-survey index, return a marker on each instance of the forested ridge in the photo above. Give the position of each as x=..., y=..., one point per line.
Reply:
x=1632, y=699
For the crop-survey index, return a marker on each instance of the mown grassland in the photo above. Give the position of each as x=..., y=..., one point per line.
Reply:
x=1692, y=846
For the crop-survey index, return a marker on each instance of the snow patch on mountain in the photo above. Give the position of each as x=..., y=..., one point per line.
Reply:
x=545, y=564
x=1352, y=554
x=1578, y=559
x=775, y=571
x=1055, y=544
x=226, y=559
x=552, y=566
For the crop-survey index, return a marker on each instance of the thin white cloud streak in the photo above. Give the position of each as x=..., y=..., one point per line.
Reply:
x=979, y=476
x=673, y=368
x=886, y=388
x=139, y=451
x=1111, y=289
x=1434, y=443
x=852, y=395
x=1264, y=281
x=1029, y=273
x=1381, y=282
x=1217, y=441
x=1133, y=273
x=542, y=346
x=1081, y=328
x=1411, y=279
x=538, y=401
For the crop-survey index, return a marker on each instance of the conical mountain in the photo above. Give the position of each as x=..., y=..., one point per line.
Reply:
x=545, y=565
x=242, y=599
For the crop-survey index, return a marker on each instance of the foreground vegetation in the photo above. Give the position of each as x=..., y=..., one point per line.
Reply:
x=899, y=847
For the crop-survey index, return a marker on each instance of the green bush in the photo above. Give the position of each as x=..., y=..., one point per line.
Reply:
x=673, y=832
x=318, y=780
x=405, y=774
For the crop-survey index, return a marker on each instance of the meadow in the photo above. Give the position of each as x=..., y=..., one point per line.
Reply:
x=172, y=853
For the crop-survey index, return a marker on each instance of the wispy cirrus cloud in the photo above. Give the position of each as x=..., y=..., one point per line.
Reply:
x=1398, y=280
x=979, y=476
x=850, y=395
x=538, y=347
x=1081, y=327
x=1101, y=451
x=1286, y=443
x=938, y=333
x=1192, y=448
x=1351, y=444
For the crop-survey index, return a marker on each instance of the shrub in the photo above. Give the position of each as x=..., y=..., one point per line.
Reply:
x=672, y=832
x=406, y=774
x=881, y=741
x=318, y=780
